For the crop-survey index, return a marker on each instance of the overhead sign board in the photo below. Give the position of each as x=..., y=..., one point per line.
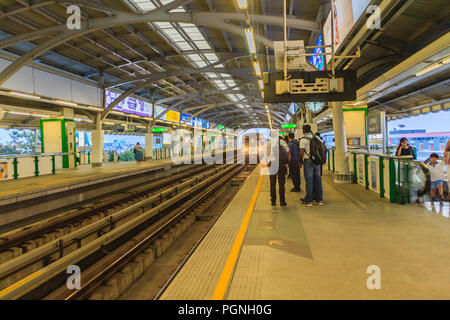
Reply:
x=159, y=130
x=289, y=125
x=310, y=86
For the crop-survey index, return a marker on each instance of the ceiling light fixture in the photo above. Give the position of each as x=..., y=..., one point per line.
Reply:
x=429, y=69
x=242, y=4
x=257, y=68
x=24, y=95
x=250, y=40
x=66, y=103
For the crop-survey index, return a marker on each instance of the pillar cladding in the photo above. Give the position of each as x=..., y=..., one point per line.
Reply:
x=341, y=163
x=148, y=151
x=97, y=148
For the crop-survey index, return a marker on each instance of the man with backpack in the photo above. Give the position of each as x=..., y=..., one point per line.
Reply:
x=283, y=161
x=294, y=168
x=312, y=156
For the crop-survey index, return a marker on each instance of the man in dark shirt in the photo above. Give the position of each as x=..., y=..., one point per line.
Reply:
x=294, y=168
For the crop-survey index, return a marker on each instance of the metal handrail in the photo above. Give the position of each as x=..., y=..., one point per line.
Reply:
x=11, y=156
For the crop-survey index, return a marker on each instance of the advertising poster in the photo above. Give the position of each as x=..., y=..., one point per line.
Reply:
x=318, y=61
x=3, y=170
x=343, y=23
x=158, y=111
x=373, y=171
x=361, y=171
x=167, y=138
x=359, y=7
x=184, y=117
x=129, y=105
x=173, y=116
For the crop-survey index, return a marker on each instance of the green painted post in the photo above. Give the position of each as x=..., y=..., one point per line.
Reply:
x=36, y=166
x=89, y=158
x=334, y=167
x=53, y=164
x=329, y=167
x=366, y=170
x=15, y=174
x=392, y=183
x=381, y=165
x=355, y=173
x=400, y=199
x=407, y=187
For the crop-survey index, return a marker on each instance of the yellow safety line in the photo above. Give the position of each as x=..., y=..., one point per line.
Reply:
x=222, y=284
x=19, y=283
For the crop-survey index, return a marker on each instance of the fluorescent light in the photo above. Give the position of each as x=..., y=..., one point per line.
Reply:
x=66, y=102
x=250, y=40
x=19, y=113
x=110, y=123
x=446, y=60
x=40, y=115
x=261, y=84
x=257, y=68
x=242, y=4
x=24, y=95
x=95, y=108
x=428, y=69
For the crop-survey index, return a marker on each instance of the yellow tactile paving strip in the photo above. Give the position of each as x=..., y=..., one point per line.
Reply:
x=199, y=277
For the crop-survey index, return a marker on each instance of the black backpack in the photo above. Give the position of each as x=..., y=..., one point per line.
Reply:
x=316, y=151
x=284, y=158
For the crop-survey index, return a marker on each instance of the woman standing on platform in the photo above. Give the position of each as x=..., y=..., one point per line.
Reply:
x=447, y=160
x=137, y=153
x=404, y=149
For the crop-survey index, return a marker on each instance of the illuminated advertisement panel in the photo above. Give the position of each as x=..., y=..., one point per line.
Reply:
x=184, y=117
x=158, y=111
x=347, y=13
x=129, y=105
x=318, y=61
x=205, y=124
x=173, y=116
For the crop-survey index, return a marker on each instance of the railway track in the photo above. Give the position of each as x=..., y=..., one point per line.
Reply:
x=103, y=247
x=25, y=239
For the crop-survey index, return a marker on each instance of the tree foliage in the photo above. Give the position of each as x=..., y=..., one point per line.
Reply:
x=21, y=142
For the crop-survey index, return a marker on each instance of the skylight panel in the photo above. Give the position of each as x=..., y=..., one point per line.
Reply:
x=202, y=44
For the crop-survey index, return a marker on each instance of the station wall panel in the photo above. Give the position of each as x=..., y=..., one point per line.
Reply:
x=52, y=85
x=22, y=80
x=85, y=94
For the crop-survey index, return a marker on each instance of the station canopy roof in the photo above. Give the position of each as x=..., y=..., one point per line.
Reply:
x=191, y=53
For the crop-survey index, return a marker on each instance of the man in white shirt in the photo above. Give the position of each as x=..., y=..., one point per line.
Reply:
x=313, y=179
x=283, y=160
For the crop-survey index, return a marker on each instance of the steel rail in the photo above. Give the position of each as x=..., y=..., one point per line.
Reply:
x=45, y=274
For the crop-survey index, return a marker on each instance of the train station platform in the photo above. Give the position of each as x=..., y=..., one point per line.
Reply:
x=67, y=179
x=256, y=251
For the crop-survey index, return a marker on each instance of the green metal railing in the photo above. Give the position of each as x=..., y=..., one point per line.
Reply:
x=393, y=178
x=36, y=158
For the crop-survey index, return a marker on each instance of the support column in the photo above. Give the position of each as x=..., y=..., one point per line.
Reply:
x=339, y=138
x=148, y=155
x=97, y=142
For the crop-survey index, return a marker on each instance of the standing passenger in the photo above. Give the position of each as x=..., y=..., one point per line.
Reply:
x=447, y=160
x=311, y=171
x=436, y=173
x=404, y=149
x=283, y=161
x=294, y=168
x=137, y=153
